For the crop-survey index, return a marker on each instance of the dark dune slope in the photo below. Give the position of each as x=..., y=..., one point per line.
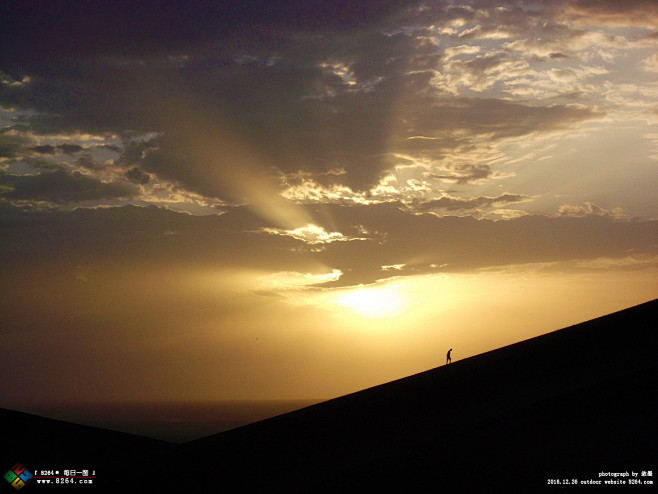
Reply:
x=42, y=443
x=566, y=405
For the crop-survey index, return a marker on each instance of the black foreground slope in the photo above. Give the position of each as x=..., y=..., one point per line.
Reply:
x=566, y=405
x=40, y=443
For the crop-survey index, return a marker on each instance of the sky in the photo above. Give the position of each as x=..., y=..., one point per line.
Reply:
x=302, y=199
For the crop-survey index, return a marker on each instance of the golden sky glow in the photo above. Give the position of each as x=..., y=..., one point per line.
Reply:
x=374, y=303
x=273, y=205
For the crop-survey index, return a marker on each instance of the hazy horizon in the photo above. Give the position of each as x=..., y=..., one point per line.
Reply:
x=169, y=421
x=305, y=199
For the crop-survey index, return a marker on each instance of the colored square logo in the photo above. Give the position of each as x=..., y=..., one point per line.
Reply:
x=25, y=476
x=18, y=476
x=18, y=483
x=10, y=476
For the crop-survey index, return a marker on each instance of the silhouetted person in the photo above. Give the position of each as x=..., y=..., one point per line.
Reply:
x=448, y=359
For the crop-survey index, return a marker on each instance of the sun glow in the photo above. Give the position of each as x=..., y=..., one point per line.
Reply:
x=374, y=303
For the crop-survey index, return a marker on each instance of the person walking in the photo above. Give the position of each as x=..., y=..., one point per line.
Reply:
x=448, y=358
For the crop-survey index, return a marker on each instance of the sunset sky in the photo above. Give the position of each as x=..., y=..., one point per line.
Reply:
x=301, y=199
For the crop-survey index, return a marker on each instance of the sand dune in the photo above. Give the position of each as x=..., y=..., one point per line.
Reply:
x=42, y=443
x=567, y=405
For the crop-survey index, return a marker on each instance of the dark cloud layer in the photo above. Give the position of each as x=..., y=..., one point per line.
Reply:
x=389, y=234
x=119, y=28
x=311, y=86
x=137, y=176
x=64, y=148
x=221, y=100
x=62, y=187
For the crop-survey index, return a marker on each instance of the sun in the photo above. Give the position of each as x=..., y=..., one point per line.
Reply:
x=373, y=303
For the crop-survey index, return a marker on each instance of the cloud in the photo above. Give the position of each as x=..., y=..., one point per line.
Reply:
x=286, y=280
x=423, y=242
x=456, y=204
x=637, y=12
x=45, y=149
x=11, y=143
x=390, y=235
x=468, y=118
x=61, y=187
x=70, y=148
x=170, y=26
x=395, y=267
x=463, y=174
x=251, y=105
x=588, y=209
x=259, y=101
x=64, y=148
x=483, y=72
x=456, y=51
x=137, y=176
x=87, y=162
x=650, y=64
x=310, y=234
